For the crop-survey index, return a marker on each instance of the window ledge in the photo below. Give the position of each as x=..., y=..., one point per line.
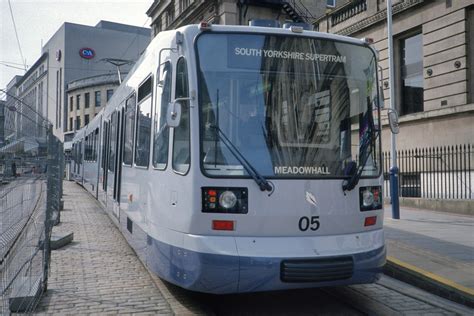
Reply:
x=452, y=110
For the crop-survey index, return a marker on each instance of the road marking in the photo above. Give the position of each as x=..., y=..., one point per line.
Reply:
x=431, y=275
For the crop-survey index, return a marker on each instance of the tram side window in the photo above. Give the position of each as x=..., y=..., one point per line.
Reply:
x=80, y=152
x=113, y=141
x=181, y=142
x=104, y=147
x=96, y=143
x=142, y=143
x=161, y=131
x=130, y=109
x=86, y=149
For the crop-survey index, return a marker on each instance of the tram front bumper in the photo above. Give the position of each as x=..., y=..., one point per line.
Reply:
x=229, y=264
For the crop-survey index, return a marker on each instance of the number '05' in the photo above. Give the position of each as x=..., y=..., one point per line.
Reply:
x=306, y=223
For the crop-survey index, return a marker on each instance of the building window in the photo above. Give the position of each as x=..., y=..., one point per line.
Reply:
x=87, y=100
x=110, y=92
x=78, y=122
x=411, y=70
x=331, y=3
x=86, y=119
x=70, y=124
x=170, y=15
x=183, y=4
x=97, y=98
x=78, y=102
x=71, y=103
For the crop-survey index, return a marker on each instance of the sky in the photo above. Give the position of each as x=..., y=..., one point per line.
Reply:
x=37, y=20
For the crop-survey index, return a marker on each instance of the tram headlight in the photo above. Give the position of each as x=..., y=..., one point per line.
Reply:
x=370, y=198
x=227, y=199
x=367, y=198
x=224, y=200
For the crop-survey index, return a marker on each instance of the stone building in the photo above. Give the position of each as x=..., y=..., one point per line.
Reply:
x=170, y=14
x=433, y=63
x=86, y=97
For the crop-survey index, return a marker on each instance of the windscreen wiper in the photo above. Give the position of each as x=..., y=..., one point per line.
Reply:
x=263, y=183
x=350, y=184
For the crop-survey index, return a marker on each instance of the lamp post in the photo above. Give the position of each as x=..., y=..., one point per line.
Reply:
x=393, y=140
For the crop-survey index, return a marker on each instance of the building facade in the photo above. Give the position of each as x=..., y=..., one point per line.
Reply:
x=10, y=127
x=31, y=112
x=86, y=97
x=433, y=63
x=171, y=14
x=73, y=52
x=80, y=51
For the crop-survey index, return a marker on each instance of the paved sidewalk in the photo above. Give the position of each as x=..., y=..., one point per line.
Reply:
x=98, y=273
x=434, y=247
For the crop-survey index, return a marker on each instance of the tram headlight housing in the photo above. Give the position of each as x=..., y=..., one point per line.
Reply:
x=227, y=199
x=370, y=198
x=224, y=200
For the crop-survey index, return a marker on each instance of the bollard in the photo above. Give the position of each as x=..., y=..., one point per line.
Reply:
x=394, y=193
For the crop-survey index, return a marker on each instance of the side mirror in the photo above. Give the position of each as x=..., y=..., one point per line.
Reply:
x=393, y=121
x=173, y=114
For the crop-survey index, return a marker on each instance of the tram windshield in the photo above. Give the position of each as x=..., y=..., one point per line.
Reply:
x=293, y=106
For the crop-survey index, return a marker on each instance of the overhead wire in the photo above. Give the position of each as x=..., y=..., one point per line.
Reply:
x=133, y=40
x=16, y=35
x=14, y=67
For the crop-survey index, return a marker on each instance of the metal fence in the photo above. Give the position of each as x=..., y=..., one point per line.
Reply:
x=30, y=194
x=434, y=173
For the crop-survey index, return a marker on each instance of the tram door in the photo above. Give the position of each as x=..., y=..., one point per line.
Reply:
x=105, y=159
x=118, y=171
x=118, y=164
x=105, y=156
x=112, y=168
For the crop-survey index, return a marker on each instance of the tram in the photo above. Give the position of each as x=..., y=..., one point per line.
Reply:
x=241, y=159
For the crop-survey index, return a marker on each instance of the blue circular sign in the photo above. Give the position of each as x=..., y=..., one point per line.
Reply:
x=87, y=53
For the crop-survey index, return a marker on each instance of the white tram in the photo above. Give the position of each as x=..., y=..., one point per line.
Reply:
x=241, y=159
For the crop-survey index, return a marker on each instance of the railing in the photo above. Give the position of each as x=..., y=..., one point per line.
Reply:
x=348, y=11
x=434, y=173
x=30, y=193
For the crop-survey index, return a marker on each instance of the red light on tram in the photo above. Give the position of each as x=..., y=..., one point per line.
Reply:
x=368, y=40
x=222, y=225
x=370, y=221
x=204, y=26
x=212, y=192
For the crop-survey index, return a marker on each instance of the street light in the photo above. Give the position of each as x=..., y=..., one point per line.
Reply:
x=393, y=169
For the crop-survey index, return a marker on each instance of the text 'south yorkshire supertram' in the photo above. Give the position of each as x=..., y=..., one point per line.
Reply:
x=242, y=159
